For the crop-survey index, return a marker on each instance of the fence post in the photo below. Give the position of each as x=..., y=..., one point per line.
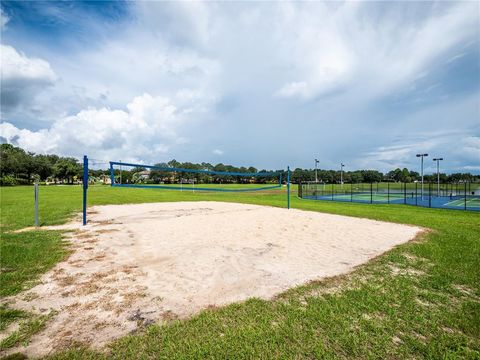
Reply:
x=465, y=204
x=35, y=194
x=351, y=192
x=371, y=193
x=416, y=195
x=288, y=187
x=430, y=194
x=404, y=193
x=388, y=193
x=332, y=190
x=85, y=187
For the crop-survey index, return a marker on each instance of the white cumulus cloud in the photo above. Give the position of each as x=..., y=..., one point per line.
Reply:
x=247, y=77
x=145, y=131
x=18, y=67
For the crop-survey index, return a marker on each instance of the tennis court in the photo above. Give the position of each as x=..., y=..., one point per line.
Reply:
x=366, y=197
x=471, y=202
x=463, y=196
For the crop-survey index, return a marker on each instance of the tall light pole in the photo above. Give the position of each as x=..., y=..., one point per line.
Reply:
x=316, y=172
x=422, y=156
x=438, y=174
x=341, y=173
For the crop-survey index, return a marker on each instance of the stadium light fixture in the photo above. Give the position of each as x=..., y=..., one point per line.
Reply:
x=422, y=156
x=316, y=172
x=438, y=174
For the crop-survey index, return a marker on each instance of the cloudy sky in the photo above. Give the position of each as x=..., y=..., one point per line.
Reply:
x=369, y=84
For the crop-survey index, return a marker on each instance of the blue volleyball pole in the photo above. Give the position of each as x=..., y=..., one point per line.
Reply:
x=288, y=187
x=85, y=187
x=112, y=175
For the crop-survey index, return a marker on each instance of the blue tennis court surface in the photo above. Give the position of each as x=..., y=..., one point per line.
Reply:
x=461, y=195
x=444, y=202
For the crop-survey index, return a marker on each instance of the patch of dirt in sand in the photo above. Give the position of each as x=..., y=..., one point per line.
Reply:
x=133, y=265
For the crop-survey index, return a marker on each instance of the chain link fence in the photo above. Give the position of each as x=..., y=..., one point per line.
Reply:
x=463, y=196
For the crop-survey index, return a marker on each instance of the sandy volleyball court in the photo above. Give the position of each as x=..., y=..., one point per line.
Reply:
x=137, y=264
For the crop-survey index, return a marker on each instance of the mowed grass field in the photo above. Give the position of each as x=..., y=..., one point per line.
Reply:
x=420, y=300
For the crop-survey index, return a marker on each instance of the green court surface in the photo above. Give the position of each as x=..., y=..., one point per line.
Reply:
x=473, y=202
x=366, y=197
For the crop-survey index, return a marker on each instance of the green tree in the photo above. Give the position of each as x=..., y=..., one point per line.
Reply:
x=372, y=176
x=158, y=176
x=67, y=169
x=13, y=161
x=43, y=165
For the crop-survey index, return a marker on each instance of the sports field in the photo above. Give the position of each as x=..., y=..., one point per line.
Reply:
x=419, y=300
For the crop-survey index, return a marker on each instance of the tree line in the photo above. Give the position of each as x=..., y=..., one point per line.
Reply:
x=135, y=175
x=372, y=176
x=19, y=167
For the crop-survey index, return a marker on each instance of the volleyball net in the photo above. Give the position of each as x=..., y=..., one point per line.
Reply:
x=173, y=178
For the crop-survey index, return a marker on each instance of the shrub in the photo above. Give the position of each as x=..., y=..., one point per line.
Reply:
x=8, y=180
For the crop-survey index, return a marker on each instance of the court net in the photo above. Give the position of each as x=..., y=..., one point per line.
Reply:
x=172, y=178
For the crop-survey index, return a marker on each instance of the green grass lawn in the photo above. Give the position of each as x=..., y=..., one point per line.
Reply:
x=420, y=300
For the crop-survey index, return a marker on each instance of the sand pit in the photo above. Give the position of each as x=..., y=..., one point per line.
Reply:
x=137, y=264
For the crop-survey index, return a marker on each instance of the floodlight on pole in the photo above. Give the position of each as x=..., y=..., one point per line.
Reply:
x=422, y=156
x=316, y=172
x=438, y=174
x=341, y=173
